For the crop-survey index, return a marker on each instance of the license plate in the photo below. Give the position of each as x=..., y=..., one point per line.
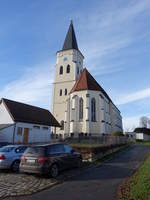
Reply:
x=30, y=161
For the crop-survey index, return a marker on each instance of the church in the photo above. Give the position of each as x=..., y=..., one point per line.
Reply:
x=80, y=104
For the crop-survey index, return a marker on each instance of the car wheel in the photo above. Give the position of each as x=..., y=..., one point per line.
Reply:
x=79, y=164
x=15, y=166
x=54, y=171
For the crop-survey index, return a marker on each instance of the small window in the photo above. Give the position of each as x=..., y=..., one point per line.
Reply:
x=19, y=131
x=81, y=109
x=45, y=127
x=77, y=70
x=68, y=69
x=61, y=70
x=55, y=149
x=60, y=92
x=72, y=135
x=67, y=148
x=38, y=150
x=93, y=110
x=21, y=149
x=7, y=149
x=36, y=127
x=65, y=91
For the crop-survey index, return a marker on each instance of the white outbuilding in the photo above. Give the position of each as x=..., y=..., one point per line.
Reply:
x=23, y=123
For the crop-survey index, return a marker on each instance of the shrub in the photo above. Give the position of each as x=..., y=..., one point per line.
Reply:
x=118, y=133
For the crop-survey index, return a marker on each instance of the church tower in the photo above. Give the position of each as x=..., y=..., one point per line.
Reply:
x=68, y=67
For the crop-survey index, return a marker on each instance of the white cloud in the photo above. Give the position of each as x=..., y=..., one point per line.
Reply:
x=135, y=96
x=33, y=87
x=130, y=123
x=108, y=28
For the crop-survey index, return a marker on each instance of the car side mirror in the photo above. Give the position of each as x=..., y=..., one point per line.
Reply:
x=72, y=151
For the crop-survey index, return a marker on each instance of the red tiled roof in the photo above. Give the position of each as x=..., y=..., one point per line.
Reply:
x=87, y=82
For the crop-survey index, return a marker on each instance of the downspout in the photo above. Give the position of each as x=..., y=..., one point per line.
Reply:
x=14, y=133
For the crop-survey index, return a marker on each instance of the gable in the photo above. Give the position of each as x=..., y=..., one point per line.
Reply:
x=87, y=82
x=5, y=117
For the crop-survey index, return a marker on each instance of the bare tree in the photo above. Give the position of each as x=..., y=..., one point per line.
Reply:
x=148, y=123
x=144, y=122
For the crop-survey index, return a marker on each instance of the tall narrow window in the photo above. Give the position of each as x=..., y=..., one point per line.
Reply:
x=65, y=91
x=93, y=110
x=77, y=70
x=61, y=70
x=68, y=69
x=62, y=125
x=80, y=109
x=60, y=92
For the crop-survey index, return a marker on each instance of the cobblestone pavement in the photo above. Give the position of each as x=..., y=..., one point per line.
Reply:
x=17, y=184
x=13, y=184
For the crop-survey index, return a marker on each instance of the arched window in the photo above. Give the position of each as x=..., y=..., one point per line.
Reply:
x=62, y=125
x=80, y=109
x=61, y=70
x=77, y=70
x=65, y=91
x=60, y=92
x=93, y=110
x=68, y=69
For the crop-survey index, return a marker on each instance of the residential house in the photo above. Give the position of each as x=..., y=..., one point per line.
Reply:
x=23, y=123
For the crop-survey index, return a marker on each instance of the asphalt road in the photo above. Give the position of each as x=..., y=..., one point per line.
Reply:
x=98, y=182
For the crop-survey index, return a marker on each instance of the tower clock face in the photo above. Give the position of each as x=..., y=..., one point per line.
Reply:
x=65, y=59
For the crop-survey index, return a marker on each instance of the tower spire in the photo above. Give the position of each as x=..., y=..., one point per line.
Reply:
x=70, y=40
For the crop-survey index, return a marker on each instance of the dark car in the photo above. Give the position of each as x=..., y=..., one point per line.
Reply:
x=49, y=159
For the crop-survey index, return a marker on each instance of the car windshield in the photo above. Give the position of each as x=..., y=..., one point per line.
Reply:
x=35, y=150
x=6, y=149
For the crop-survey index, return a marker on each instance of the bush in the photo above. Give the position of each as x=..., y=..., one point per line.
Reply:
x=118, y=133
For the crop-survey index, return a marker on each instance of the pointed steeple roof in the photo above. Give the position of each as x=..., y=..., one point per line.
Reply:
x=87, y=82
x=70, y=40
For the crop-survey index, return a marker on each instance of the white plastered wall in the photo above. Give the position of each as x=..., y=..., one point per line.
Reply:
x=5, y=117
x=65, y=81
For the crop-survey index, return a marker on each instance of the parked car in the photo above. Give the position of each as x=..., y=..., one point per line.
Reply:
x=4, y=144
x=10, y=156
x=49, y=159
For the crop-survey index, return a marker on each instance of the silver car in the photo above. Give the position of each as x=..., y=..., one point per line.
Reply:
x=10, y=156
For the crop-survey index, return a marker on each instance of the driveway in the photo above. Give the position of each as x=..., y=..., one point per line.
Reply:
x=97, y=182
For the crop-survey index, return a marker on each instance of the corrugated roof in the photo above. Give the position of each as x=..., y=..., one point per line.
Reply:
x=21, y=112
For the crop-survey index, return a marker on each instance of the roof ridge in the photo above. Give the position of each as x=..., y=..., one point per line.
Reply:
x=4, y=99
x=88, y=82
x=26, y=113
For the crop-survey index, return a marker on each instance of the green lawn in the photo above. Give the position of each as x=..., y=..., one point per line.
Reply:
x=143, y=142
x=138, y=186
x=85, y=145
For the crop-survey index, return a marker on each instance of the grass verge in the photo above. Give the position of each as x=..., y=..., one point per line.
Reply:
x=143, y=142
x=138, y=186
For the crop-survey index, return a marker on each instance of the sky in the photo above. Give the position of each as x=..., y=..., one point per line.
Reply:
x=114, y=37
